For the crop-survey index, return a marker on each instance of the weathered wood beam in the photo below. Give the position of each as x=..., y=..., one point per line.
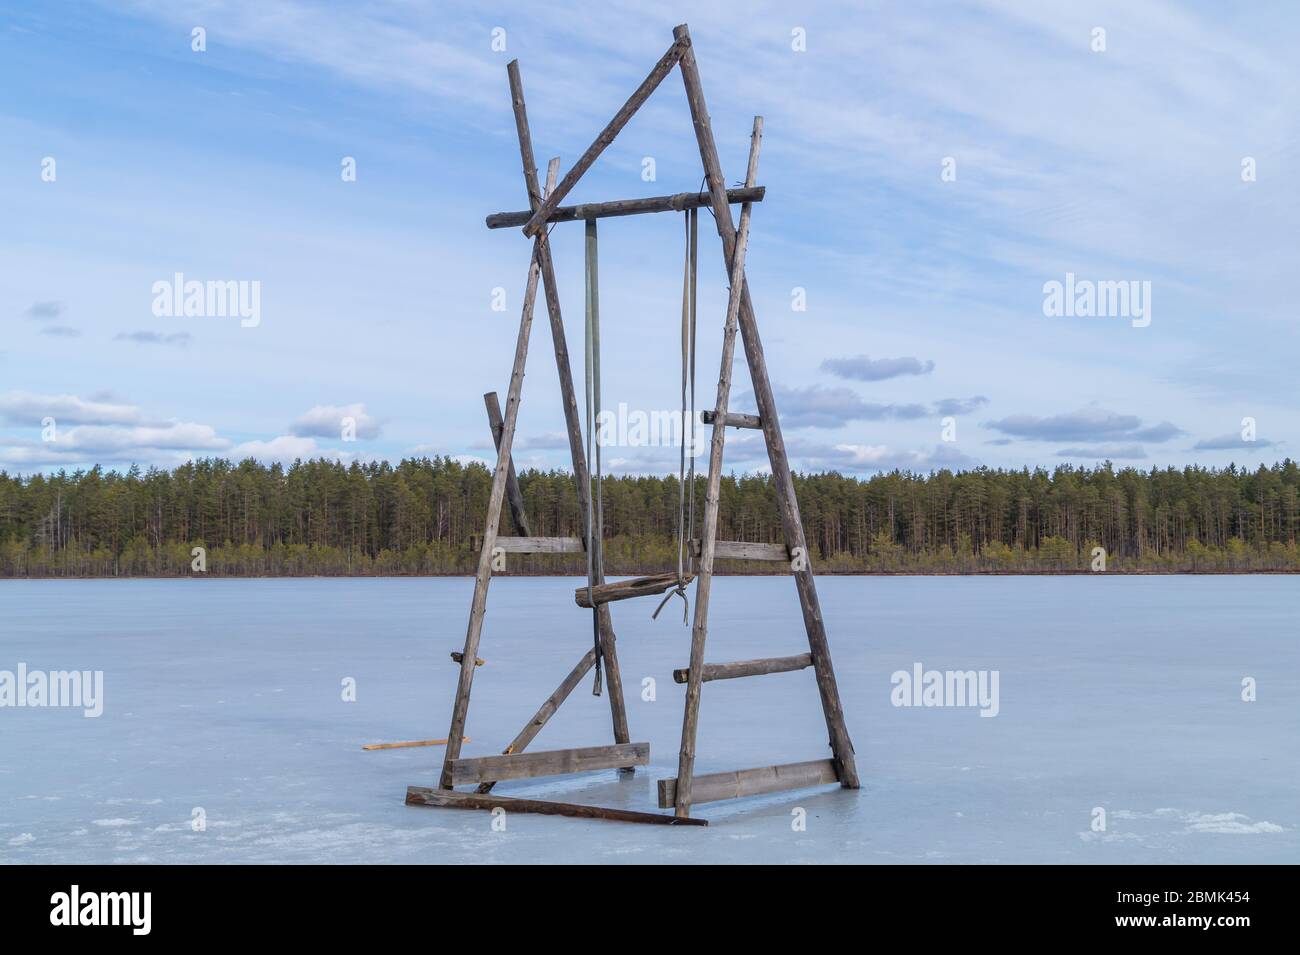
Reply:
x=541, y=545
x=712, y=491
x=752, y=782
x=547, y=709
x=554, y=762
x=406, y=744
x=627, y=589
x=422, y=796
x=679, y=202
x=782, y=480
x=661, y=69
x=483, y=576
x=735, y=420
x=743, y=550
x=732, y=671
x=572, y=422
x=513, y=494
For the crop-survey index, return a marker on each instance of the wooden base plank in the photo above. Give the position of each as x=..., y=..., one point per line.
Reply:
x=555, y=762
x=752, y=782
x=422, y=796
x=731, y=671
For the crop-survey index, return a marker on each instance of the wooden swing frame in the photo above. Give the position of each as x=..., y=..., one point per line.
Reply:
x=686, y=789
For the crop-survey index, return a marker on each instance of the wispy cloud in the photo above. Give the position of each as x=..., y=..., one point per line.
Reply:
x=1232, y=442
x=1086, y=424
x=327, y=421
x=179, y=339
x=864, y=368
x=44, y=311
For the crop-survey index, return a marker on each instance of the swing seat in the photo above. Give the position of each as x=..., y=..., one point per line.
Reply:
x=626, y=589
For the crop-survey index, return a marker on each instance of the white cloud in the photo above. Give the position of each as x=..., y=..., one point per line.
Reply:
x=326, y=421
x=26, y=408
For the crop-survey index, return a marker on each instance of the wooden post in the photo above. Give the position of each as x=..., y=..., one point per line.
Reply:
x=661, y=69
x=513, y=494
x=478, y=608
x=841, y=745
x=712, y=493
x=573, y=424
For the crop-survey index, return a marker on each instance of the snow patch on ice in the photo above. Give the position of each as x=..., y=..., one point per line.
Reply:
x=22, y=840
x=113, y=822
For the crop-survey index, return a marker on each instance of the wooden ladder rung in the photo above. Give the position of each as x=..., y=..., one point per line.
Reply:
x=752, y=782
x=423, y=796
x=555, y=762
x=734, y=420
x=541, y=545
x=731, y=671
x=743, y=550
x=627, y=589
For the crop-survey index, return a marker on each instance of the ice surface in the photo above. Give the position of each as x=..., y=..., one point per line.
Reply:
x=1116, y=692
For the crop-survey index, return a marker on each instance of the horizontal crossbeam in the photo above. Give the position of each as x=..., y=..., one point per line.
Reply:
x=625, y=207
x=734, y=420
x=422, y=796
x=732, y=671
x=540, y=545
x=752, y=782
x=743, y=550
x=555, y=762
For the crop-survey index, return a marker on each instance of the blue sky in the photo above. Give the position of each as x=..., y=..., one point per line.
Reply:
x=924, y=294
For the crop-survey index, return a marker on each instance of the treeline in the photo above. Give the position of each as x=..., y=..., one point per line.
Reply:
x=426, y=516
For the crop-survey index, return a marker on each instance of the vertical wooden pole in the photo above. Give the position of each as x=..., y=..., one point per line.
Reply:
x=704, y=570
x=478, y=608
x=513, y=494
x=609, y=655
x=792, y=524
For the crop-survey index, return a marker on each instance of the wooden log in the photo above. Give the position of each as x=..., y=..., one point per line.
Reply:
x=460, y=657
x=752, y=782
x=513, y=494
x=483, y=576
x=712, y=491
x=554, y=762
x=782, y=480
x=743, y=550
x=732, y=671
x=661, y=69
x=734, y=420
x=409, y=743
x=624, y=207
x=421, y=796
x=541, y=545
x=547, y=709
x=572, y=421
x=627, y=589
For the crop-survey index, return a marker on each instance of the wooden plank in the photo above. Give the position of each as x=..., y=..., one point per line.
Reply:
x=661, y=69
x=513, y=494
x=627, y=589
x=540, y=545
x=421, y=796
x=732, y=671
x=734, y=420
x=624, y=207
x=547, y=709
x=409, y=743
x=483, y=576
x=554, y=762
x=752, y=782
x=743, y=550
x=712, y=491
x=572, y=422
x=782, y=480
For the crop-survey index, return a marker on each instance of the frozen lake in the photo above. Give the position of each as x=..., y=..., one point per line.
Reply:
x=1118, y=693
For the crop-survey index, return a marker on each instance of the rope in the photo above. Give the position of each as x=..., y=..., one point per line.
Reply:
x=685, y=471
x=595, y=509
